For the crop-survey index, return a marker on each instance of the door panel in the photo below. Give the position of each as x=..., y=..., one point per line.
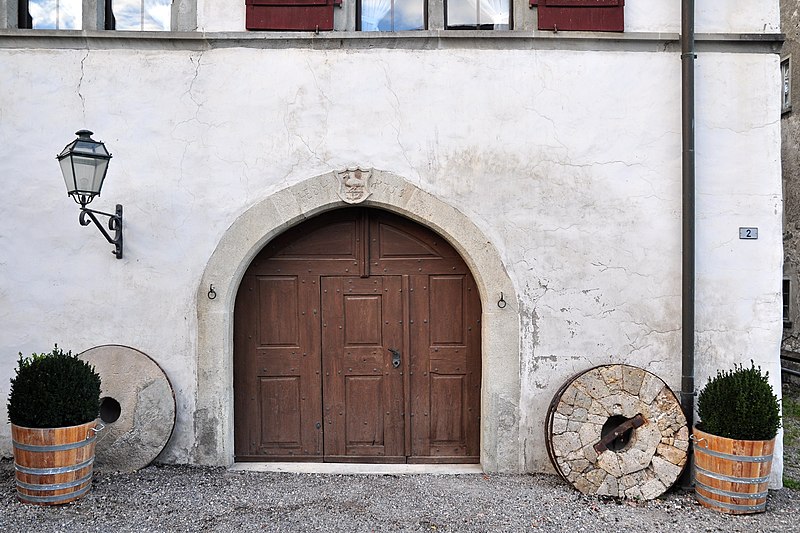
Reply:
x=401, y=247
x=447, y=409
x=363, y=392
x=280, y=396
x=317, y=316
x=447, y=310
x=277, y=297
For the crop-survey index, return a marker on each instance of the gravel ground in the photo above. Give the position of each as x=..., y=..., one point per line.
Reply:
x=187, y=498
x=791, y=434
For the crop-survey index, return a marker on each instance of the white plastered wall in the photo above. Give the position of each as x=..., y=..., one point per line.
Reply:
x=568, y=163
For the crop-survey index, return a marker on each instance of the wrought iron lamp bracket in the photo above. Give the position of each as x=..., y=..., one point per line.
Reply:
x=114, y=224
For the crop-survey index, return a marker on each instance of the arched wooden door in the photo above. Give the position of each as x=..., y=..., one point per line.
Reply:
x=357, y=339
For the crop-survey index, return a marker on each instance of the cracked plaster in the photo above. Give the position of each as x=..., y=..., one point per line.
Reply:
x=571, y=175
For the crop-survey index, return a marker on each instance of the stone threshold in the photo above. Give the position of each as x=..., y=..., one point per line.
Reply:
x=357, y=468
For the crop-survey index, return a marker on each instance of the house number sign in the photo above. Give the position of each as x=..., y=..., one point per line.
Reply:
x=748, y=233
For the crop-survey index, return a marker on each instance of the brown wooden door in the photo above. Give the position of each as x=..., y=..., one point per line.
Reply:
x=321, y=313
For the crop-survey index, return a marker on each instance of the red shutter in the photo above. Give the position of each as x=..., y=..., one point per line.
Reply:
x=291, y=15
x=581, y=15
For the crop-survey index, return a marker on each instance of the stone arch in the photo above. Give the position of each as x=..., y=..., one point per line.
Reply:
x=500, y=391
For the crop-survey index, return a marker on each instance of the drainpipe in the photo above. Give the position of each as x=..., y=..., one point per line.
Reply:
x=688, y=218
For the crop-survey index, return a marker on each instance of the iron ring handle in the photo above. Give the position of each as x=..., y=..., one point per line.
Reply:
x=501, y=303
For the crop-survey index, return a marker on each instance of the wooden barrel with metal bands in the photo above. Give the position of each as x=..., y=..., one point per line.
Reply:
x=617, y=430
x=53, y=466
x=733, y=476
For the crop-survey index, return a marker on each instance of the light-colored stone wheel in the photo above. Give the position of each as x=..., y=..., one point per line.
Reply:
x=137, y=406
x=648, y=452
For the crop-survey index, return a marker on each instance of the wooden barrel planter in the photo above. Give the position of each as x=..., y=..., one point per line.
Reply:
x=731, y=475
x=53, y=466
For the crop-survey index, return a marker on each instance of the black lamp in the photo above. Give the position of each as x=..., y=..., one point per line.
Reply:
x=84, y=163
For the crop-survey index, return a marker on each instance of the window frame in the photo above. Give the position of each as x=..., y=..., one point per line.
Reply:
x=787, y=303
x=478, y=26
x=424, y=17
x=786, y=84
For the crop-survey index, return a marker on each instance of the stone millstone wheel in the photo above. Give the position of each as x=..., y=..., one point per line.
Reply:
x=619, y=431
x=137, y=406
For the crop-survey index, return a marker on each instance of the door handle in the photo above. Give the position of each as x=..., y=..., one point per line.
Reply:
x=395, y=357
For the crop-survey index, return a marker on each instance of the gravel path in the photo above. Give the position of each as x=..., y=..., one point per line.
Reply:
x=186, y=498
x=791, y=433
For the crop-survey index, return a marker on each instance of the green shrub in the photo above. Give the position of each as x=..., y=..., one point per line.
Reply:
x=739, y=405
x=53, y=390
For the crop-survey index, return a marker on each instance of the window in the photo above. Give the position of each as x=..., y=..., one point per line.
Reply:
x=581, y=15
x=786, y=293
x=139, y=15
x=478, y=15
x=147, y=15
x=786, y=75
x=391, y=15
x=51, y=14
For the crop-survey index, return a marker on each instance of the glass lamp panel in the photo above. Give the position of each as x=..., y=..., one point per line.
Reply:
x=89, y=173
x=101, y=166
x=66, y=171
x=89, y=147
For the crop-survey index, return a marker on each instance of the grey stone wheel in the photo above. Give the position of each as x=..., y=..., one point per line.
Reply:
x=617, y=430
x=137, y=407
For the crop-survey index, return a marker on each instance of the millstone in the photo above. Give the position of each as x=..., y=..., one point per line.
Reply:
x=617, y=430
x=137, y=407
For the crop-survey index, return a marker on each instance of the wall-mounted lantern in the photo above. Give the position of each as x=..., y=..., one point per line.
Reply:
x=84, y=163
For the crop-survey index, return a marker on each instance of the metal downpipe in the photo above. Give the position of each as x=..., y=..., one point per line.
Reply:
x=688, y=210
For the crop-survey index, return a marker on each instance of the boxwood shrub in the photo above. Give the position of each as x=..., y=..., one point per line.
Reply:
x=739, y=404
x=53, y=389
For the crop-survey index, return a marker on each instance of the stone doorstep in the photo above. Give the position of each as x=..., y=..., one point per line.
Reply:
x=357, y=468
